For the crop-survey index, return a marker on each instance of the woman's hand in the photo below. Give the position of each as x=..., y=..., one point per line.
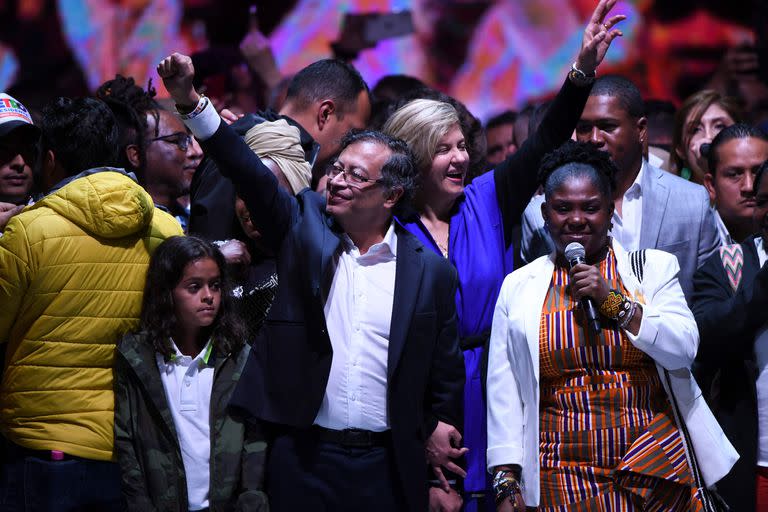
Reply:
x=518, y=505
x=440, y=452
x=598, y=37
x=586, y=281
x=442, y=501
x=235, y=252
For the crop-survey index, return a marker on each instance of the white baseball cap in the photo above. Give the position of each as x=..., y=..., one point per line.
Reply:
x=15, y=116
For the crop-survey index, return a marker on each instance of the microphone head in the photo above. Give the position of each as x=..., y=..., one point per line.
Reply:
x=574, y=250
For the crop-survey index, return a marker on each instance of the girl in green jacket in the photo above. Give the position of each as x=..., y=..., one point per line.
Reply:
x=178, y=445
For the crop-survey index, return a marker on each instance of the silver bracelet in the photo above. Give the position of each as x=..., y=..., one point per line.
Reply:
x=628, y=316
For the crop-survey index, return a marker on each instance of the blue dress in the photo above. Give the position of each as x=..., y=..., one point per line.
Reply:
x=480, y=248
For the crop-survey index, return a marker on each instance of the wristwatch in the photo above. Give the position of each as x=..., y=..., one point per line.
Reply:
x=580, y=78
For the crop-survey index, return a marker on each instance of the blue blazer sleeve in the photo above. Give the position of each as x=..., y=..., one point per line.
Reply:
x=272, y=209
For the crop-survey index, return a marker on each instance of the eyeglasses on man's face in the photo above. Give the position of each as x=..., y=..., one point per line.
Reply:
x=178, y=139
x=353, y=177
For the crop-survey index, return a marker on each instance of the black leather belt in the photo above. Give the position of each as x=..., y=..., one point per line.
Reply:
x=352, y=437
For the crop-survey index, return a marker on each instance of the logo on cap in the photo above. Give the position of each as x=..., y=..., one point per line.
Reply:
x=12, y=110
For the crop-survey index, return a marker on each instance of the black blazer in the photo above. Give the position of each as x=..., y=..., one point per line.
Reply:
x=285, y=378
x=725, y=366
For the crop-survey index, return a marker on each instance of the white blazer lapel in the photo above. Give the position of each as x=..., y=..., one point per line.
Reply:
x=533, y=305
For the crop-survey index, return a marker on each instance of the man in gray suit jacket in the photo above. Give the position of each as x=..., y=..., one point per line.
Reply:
x=654, y=209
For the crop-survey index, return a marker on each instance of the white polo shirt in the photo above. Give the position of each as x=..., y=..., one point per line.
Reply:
x=188, y=383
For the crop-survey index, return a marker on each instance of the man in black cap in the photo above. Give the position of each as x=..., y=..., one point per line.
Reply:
x=18, y=150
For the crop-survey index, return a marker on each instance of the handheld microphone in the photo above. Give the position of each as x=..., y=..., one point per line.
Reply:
x=575, y=254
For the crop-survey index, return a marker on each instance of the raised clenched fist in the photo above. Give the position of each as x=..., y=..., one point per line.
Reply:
x=177, y=73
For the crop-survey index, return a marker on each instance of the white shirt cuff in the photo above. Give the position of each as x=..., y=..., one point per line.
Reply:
x=204, y=124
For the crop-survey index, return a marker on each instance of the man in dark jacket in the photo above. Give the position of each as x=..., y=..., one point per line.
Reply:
x=359, y=365
x=730, y=301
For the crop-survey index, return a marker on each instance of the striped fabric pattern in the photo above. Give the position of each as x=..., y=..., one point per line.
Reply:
x=607, y=438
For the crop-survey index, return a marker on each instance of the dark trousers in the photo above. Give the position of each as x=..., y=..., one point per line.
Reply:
x=31, y=482
x=306, y=474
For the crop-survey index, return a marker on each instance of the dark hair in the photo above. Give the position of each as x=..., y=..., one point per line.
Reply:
x=759, y=176
x=661, y=120
x=327, y=79
x=694, y=107
x=82, y=133
x=506, y=117
x=735, y=131
x=399, y=171
x=394, y=87
x=577, y=159
x=622, y=89
x=131, y=104
x=166, y=268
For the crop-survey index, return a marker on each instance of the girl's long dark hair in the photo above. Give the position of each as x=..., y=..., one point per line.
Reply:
x=166, y=269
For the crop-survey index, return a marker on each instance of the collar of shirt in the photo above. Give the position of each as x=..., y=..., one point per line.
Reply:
x=762, y=256
x=178, y=359
x=386, y=249
x=722, y=230
x=636, y=189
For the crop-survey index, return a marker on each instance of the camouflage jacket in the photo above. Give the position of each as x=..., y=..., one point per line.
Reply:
x=147, y=444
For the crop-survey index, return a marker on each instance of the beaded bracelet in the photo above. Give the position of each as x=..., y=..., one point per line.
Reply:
x=613, y=304
x=627, y=316
x=506, y=486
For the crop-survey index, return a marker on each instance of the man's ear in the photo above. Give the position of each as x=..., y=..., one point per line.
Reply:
x=393, y=196
x=326, y=109
x=642, y=128
x=132, y=153
x=50, y=170
x=544, y=212
x=709, y=184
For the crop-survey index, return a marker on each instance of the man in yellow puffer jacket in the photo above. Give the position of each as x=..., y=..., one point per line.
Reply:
x=72, y=270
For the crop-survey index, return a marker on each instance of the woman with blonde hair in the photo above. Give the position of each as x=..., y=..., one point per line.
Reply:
x=472, y=225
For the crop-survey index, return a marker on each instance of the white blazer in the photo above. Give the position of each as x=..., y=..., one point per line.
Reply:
x=667, y=333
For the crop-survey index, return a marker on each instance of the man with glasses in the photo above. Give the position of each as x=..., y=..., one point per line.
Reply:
x=155, y=145
x=19, y=139
x=358, y=358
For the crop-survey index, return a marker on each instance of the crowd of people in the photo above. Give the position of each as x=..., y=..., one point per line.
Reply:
x=365, y=300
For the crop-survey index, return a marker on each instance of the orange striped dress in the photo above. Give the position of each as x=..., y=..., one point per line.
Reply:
x=608, y=440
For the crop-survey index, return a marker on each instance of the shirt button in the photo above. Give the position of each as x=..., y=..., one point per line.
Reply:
x=353, y=398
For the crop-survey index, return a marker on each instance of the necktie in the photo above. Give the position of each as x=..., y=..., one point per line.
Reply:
x=733, y=261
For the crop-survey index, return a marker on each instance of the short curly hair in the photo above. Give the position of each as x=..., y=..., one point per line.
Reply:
x=577, y=159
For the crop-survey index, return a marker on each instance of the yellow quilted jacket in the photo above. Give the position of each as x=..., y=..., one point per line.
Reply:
x=72, y=270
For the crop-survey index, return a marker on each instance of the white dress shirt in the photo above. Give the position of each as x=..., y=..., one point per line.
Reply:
x=626, y=227
x=188, y=383
x=761, y=358
x=722, y=230
x=358, y=313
